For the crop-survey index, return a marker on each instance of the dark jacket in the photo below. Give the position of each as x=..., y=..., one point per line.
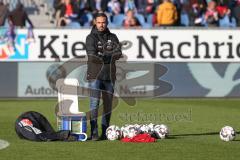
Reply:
x=19, y=16
x=4, y=13
x=101, y=61
x=92, y=5
x=236, y=14
x=62, y=9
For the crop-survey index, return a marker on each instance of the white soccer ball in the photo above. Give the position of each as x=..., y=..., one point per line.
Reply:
x=113, y=132
x=227, y=133
x=132, y=131
x=129, y=131
x=137, y=128
x=151, y=128
x=124, y=130
x=161, y=131
x=144, y=128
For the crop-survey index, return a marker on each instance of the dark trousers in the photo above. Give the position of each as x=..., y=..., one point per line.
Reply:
x=106, y=89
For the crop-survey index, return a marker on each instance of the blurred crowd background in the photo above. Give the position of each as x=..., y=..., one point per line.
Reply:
x=121, y=13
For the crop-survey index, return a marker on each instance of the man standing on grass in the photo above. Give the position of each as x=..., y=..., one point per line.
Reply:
x=103, y=49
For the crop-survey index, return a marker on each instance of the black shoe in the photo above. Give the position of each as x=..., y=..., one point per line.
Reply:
x=89, y=138
x=93, y=138
x=103, y=137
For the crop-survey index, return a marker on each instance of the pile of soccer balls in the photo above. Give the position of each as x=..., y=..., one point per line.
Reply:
x=114, y=132
x=161, y=131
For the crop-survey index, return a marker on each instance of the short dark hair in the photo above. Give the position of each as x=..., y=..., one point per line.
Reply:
x=100, y=14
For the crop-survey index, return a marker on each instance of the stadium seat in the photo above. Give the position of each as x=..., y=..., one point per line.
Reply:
x=140, y=18
x=150, y=19
x=68, y=103
x=184, y=19
x=146, y=25
x=73, y=25
x=89, y=16
x=225, y=22
x=233, y=22
x=142, y=21
x=89, y=20
x=88, y=23
x=118, y=20
x=110, y=23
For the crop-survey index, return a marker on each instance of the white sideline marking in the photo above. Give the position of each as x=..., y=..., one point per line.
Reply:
x=3, y=144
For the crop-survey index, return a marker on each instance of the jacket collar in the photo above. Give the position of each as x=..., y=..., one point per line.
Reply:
x=95, y=31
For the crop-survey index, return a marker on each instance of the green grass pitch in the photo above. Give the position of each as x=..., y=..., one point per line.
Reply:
x=194, y=125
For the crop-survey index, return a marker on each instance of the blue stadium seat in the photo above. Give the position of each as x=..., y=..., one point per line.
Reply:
x=150, y=19
x=73, y=25
x=118, y=20
x=141, y=19
x=225, y=22
x=90, y=18
x=110, y=23
x=184, y=19
x=233, y=22
x=146, y=25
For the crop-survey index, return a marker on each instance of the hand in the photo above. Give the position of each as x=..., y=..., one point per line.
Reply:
x=100, y=54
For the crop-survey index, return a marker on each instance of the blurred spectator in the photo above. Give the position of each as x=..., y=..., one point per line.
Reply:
x=178, y=4
x=114, y=7
x=154, y=12
x=229, y=3
x=122, y=5
x=130, y=20
x=211, y=14
x=145, y=7
x=57, y=4
x=141, y=6
x=197, y=13
x=84, y=15
x=152, y=9
x=19, y=16
x=166, y=14
x=185, y=13
x=97, y=5
x=68, y=12
x=82, y=4
x=151, y=6
x=4, y=13
x=224, y=15
x=222, y=10
x=130, y=5
x=236, y=12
